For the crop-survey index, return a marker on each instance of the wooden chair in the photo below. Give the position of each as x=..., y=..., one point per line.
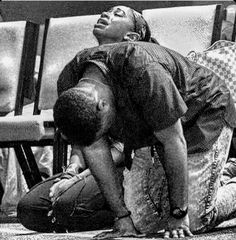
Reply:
x=63, y=38
x=233, y=19
x=18, y=43
x=234, y=30
x=185, y=28
x=228, y=29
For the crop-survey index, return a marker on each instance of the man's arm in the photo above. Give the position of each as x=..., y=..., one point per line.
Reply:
x=176, y=169
x=98, y=157
x=76, y=162
x=175, y=163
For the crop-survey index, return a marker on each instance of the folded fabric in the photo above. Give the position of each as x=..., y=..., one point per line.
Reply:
x=220, y=58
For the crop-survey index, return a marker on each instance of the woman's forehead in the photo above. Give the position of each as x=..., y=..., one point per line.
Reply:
x=127, y=10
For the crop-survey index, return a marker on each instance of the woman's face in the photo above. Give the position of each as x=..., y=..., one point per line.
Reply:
x=113, y=25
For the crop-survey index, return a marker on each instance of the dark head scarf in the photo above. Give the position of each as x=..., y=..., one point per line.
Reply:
x=141, y=26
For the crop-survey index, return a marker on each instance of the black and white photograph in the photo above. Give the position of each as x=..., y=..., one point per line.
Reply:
x=91, y=147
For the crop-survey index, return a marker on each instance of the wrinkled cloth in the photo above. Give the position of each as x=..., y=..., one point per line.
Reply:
x=154, y=87
x=82, y=207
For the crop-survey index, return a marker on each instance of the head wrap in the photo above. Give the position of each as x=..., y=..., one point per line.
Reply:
x=141, y=26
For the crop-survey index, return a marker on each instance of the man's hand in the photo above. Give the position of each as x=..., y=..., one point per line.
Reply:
x=178, y=228
x=123, y=228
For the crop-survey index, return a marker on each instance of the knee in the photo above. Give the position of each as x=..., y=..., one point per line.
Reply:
x=23, y=212
x=33, y=217
x=22, y=209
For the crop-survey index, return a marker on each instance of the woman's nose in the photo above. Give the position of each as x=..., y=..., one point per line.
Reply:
x=105, y=14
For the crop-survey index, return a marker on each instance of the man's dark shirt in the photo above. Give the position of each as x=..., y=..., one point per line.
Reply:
x=154, y=87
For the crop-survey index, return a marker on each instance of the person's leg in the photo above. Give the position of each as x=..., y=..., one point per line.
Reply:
x=88, y=209
x=146, y=193
x=205, y=172
x=225, y=202
x=33, y=208
x=229, y=171
x=82, y=207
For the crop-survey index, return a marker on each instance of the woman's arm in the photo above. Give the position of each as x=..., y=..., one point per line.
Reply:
x=117, y=152
x=76, y=161
x=99, y=159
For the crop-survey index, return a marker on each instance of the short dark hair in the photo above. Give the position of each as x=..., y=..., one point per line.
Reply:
x=76, y=116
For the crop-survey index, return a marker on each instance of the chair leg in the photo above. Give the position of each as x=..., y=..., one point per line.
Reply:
x=64, y=146
x=32, y=163
x=31, y=180
x=56, y=163
x=1, y=192
x=59, y=153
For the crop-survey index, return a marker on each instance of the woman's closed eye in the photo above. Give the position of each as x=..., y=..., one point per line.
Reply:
x=120, y=13
x=117, y=12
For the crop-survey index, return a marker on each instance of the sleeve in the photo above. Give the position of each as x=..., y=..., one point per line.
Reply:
x=118, y=146
x=157, y=97
x=68, y=78
x=73, y=71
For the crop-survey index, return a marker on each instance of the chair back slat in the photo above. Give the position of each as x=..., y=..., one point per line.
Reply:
x=17, y=57
x=234, y=28
x=63, y=38
x=185, y=28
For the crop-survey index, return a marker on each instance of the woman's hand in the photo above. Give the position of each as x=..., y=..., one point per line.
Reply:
x=178, y=228
x=60, y=186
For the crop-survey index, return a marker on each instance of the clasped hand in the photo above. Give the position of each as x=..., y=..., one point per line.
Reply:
x=60, y=186
x=178, y=228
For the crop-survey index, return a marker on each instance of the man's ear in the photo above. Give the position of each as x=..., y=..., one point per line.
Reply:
x=132, y=36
